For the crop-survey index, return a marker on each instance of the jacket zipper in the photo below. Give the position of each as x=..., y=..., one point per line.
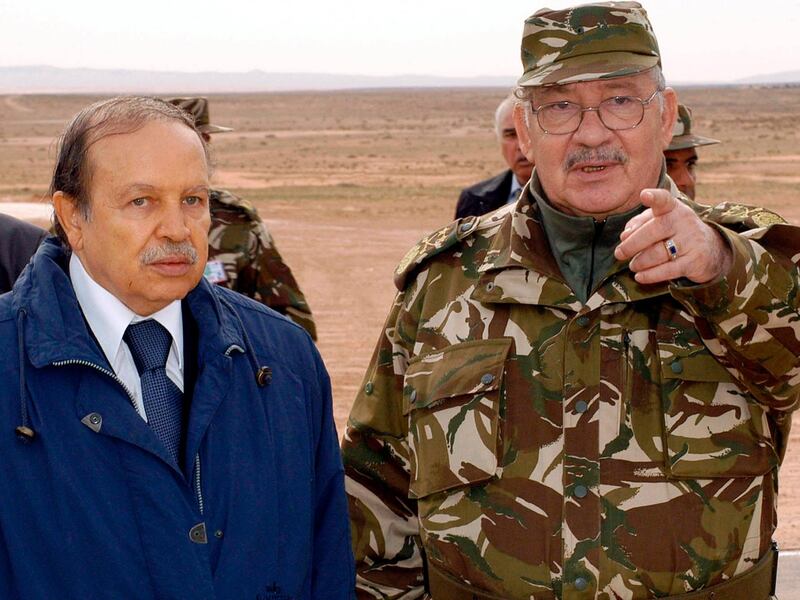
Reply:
x=598, y=229
x=197, y=489
x=113, y=376
x=85, y=363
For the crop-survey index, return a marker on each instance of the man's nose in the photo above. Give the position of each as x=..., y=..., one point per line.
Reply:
x=680, y=175
x=173, y=224
x=591, y=130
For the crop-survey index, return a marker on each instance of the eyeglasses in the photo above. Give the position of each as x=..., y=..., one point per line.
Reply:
x=616, y=113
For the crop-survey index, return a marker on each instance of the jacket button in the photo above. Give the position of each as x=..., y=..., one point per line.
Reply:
x=583, y=320
x=263, y=376
x=581, y=406
x=198, y=534
x=464, y=227
x=487, y=378
x=676, y=367
x=218, y=534
x=581, y=584
x=368, y=388
x=580, y=491
x=413, y=396
x=490, y=286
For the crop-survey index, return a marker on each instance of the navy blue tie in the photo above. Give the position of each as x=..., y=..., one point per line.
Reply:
x=149, y=343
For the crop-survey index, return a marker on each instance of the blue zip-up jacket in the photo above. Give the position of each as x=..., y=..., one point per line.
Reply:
x=91, y=507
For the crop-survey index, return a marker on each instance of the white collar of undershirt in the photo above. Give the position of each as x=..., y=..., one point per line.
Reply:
x=108, y=317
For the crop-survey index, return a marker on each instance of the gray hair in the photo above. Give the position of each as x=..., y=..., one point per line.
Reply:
x=506, y=106
x=126, y=114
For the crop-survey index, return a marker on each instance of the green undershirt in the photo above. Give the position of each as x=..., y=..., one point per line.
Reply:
x=582, y=246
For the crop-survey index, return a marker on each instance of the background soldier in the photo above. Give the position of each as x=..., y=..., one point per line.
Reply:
x=504, y=188
x=242, y=254
x=586, y=394
x=681, y=154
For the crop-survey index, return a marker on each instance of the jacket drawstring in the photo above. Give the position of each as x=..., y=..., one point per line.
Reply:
x=24, y=431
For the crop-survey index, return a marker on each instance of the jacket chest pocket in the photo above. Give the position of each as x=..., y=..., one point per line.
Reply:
x=712, y=426
x=451, y=399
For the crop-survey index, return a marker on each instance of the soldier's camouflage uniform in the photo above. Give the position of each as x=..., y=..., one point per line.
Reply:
x=539, y=448
x=242, y=256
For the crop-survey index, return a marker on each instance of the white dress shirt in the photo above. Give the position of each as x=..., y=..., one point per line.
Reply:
x=108, y=318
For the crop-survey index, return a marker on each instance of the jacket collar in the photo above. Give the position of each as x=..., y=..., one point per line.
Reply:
x=56, y=331
x=495, y=185
x=519, y=266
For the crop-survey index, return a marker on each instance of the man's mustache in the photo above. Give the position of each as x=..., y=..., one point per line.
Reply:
x=169, y=250
x=595, y=155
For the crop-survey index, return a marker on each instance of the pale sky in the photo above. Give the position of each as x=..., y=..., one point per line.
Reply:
x=701, y=40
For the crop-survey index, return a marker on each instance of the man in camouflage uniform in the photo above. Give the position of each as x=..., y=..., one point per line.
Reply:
x=681, y=154
x=242, y=255
x=586, y=394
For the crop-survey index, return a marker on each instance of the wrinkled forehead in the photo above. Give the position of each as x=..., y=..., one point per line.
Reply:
x=160, y=153
x=120, y=132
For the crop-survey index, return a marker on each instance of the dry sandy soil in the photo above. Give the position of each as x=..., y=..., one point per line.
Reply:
x=347, y=182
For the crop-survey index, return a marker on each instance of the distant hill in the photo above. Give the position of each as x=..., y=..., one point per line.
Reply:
x=773, y=78
x=44, y=79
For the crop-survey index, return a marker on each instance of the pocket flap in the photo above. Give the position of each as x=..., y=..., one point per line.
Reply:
x=712, y=428
x=692, y=364
x=467, y=368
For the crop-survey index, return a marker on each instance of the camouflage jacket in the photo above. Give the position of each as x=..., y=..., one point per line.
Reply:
x=537, y=447
x=242, y=256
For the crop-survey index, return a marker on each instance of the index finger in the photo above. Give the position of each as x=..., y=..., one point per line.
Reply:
x=661, y=201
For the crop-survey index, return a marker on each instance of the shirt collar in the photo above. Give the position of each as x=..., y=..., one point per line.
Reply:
x=108, y=317
x=513, y=193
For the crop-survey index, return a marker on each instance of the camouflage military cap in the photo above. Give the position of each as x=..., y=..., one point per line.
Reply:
x=587, y=42
x=198, y=108
x=682, y=136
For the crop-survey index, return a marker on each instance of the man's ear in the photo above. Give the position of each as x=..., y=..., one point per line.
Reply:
x=521, y=124
x=70, y=218
x=668, y=116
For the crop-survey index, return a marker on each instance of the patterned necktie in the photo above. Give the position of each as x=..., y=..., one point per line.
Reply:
x=149, y=343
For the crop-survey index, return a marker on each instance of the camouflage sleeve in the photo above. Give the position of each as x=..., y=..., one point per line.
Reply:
x=376, y=456
x=736, y=217
x=242, y=256
x=275, y=284
x=750, y=319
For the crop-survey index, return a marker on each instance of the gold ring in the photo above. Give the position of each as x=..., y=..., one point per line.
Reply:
x=672, y=249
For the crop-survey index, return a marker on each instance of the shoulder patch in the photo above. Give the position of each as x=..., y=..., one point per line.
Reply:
x=431, y=245
x=215, y=271
x=742, y=217
x=765, y=218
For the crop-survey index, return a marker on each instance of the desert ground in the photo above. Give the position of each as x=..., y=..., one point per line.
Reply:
x=348, y=181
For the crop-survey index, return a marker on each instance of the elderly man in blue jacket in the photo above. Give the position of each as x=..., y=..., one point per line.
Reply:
x=161, y=437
